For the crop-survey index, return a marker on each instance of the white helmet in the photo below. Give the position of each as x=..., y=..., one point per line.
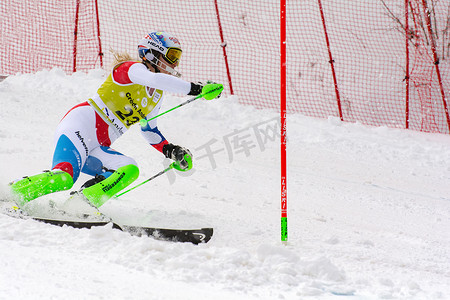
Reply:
x=158, y=44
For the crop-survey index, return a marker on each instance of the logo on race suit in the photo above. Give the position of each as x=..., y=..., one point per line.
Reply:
x=133, y=103
x=112, y=120
x=144, y=102
x=149, y=91
x=156, y=97
x=77, y=133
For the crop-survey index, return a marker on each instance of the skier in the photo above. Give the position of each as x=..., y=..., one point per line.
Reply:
x=133, y=91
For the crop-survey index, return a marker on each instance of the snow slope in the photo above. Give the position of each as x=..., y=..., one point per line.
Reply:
x=369, y=208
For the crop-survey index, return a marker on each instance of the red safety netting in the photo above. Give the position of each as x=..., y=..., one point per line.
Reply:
x=382, y=63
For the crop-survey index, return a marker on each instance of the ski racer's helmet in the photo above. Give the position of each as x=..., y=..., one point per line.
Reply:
x=158, y=44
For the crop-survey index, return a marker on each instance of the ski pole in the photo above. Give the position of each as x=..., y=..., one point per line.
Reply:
x=172, y=165
x=144, y=122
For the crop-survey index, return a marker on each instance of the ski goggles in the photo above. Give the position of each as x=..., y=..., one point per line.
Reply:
x=173, y=55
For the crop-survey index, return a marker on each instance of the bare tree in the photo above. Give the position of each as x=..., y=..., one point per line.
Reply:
x=419, y=25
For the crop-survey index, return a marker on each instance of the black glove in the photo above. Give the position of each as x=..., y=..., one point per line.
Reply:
x=196, y=89
x=181, y=155
x=205, y=88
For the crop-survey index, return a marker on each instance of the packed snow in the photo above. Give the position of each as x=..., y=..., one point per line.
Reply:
x=368, y=208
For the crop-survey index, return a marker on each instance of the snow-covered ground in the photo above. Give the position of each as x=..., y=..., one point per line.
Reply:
x=369, y=208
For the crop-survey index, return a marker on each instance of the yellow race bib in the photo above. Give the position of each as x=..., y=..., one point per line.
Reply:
x=128, y=103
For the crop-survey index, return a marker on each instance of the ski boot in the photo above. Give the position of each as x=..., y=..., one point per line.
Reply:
x=31, y=187
x=99, y=191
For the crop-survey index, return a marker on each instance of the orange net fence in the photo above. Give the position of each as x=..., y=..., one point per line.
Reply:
x=377, y=62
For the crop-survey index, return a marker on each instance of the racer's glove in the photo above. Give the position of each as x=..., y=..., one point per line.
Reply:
x=210, y=90
x=181, y=156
